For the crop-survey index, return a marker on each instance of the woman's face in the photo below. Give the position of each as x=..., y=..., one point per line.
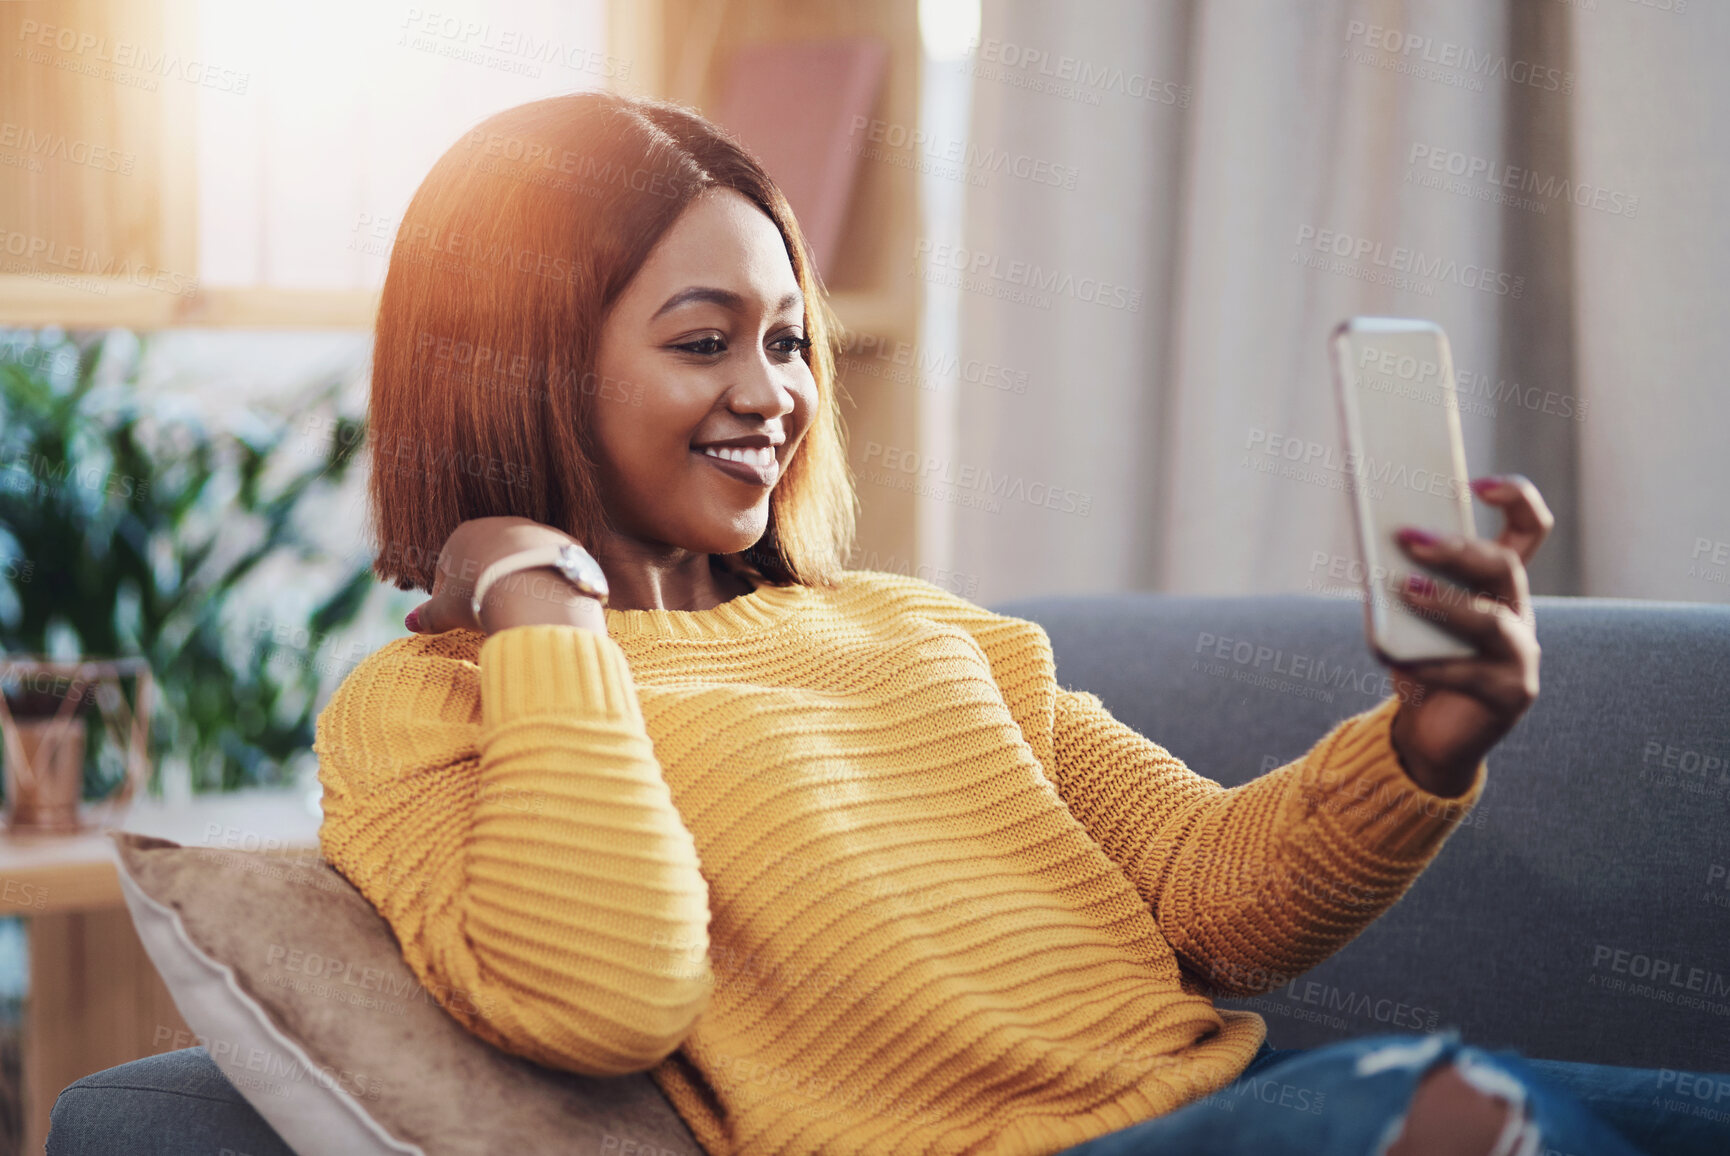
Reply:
x=711, y=328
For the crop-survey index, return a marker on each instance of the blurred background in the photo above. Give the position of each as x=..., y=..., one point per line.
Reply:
x=1087, y=256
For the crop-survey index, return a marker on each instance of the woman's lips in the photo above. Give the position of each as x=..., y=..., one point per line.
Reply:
x=744, y=471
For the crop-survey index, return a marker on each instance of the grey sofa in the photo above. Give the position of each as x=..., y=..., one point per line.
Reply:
x=1582, y=912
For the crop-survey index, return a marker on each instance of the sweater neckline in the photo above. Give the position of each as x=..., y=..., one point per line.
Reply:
x=762, y=609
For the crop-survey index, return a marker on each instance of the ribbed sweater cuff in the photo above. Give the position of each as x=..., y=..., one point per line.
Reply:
x=1361, y=782
x=559, y=671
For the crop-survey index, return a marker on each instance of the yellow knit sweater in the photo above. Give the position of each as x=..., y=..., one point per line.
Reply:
x=846, y=870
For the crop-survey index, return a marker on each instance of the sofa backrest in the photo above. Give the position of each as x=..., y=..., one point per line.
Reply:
x=1582, y=912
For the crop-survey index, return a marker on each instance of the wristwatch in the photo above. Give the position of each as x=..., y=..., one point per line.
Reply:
x=574, y=563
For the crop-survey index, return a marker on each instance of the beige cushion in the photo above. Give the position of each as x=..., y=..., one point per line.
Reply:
x=296, y=986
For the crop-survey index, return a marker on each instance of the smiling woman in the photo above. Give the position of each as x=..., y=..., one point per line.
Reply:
x=610, y=298
x=830, y=853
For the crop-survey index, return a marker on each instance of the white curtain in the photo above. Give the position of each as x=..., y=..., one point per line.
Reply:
x=1651, y=300
x=1539, y=179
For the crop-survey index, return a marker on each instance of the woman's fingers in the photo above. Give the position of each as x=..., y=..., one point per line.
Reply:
x=1489, y=626
x=465, y=554
x=1527, y=517
x=453, y=584
x=1487, y=567
x=1504, y=687
x=1503, y=672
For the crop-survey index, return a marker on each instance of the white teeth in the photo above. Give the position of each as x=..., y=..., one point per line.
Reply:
x=757, y=456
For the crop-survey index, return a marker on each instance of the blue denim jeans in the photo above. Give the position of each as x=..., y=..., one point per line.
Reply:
x=1352, y=1097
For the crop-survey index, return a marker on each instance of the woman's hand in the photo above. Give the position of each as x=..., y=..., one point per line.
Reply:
x=1453, y=710
x=471, y=548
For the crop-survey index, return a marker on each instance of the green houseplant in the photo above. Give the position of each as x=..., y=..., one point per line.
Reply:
x=129, y=527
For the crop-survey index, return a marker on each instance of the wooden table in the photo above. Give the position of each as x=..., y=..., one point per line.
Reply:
x=94, y=999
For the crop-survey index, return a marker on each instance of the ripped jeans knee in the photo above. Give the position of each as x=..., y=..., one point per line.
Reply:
x=1519, y=1133
x=1355, y=1096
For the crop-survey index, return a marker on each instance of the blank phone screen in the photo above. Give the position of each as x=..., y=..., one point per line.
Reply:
x=1407, y=464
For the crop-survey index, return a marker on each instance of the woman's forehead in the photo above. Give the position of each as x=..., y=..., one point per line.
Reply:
x=723, y=240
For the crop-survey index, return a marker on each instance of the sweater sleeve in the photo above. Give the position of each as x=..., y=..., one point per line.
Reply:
x=510, y=821
x=1251, y=885
x=1258, y=883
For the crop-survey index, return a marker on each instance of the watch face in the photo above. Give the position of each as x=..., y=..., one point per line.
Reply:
x=580, y=567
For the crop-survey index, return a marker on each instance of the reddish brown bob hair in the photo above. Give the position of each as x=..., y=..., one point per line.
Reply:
x=510, y=255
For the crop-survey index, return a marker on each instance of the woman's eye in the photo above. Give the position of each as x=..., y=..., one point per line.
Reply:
x=790, y=346
x=704, y=346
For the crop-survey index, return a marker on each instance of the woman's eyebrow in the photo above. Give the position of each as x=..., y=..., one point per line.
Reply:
x=725, y=298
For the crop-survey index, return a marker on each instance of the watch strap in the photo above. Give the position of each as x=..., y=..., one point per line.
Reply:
x=530, y=559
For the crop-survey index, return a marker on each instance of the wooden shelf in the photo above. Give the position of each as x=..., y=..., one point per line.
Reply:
x=99, y=303
x=106, y=302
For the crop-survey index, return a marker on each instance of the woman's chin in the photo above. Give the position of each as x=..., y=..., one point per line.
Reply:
x=731, y=536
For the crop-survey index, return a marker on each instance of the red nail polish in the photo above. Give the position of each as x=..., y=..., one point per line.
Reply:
x=1480, y=485
x=412, y=621
x=1412, y=536
x=1418, y=584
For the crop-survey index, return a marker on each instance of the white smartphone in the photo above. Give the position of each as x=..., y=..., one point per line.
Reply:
x=1407, y=464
